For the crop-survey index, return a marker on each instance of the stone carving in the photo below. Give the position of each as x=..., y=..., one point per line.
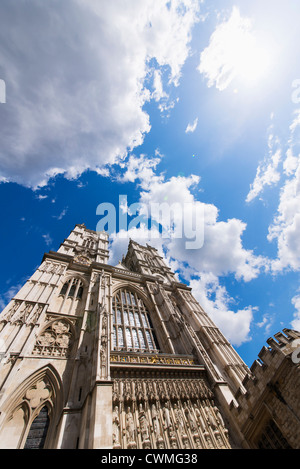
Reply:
x=12, y=310
x=144, y=428
x=56, y=340
x=210, y=418
x=179, y=419
x=38, y=393
x=149, y=413
x=103, y=347
x=116, y=428
x=23, y=313
x=166, y=414
x=155, y=422
x=35, y=315
x=130, y=430
x=200, y=420
x=190, y=418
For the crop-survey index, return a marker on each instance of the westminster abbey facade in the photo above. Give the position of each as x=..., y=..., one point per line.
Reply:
x=95, y=356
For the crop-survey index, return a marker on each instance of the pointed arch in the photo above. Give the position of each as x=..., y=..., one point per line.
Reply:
x=71, y=275
x=71, y=293
x=135, y=288
x=38, y=431
x=132, y=328
x=43, y=388
x=71, y=284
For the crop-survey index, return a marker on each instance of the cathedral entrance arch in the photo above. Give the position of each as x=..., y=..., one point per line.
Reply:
x=31, y=413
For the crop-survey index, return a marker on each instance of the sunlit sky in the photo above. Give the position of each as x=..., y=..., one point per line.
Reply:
x=183, y=102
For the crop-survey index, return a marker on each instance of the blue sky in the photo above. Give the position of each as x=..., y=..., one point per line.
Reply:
x=179, y=102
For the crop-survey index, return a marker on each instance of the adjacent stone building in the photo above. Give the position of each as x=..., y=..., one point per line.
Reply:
x=99, y=356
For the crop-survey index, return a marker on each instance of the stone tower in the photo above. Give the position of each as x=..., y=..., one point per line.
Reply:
x=99, y=356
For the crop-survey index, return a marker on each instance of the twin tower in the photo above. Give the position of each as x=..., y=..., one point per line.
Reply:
x=96, y=356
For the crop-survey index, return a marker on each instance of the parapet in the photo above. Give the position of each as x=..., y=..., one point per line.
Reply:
x=271, y=393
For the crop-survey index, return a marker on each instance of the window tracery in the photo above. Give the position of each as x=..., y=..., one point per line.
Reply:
x=132, y=327
x=56, y=340
x=72, y=288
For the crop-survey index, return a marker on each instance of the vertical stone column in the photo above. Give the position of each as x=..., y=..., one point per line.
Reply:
x=100, y=409
x=101, y=416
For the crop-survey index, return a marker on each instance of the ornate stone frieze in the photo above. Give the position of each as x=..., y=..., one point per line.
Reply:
x=24, y=312
x=166, y=413
x=151, y=359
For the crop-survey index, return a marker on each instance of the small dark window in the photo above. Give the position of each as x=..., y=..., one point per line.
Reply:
x=38, y=431
x=79, y=293
x=72, y=291
x=64, y=289
x=73, y=288
x=272, y=438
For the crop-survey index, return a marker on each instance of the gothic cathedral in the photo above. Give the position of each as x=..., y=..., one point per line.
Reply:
x=95, y=356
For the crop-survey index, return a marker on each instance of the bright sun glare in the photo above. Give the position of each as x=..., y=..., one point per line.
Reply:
x=235, y=53
x=245, y=55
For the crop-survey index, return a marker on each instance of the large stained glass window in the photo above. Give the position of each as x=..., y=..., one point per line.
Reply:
x=132, y=328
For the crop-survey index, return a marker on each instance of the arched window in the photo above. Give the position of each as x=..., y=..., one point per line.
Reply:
x=38, y=431
x=89, y=243
x=73, y=288
x=132, y=327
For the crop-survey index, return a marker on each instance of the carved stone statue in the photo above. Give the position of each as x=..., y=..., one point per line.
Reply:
x=116, y=426
x=143, y=424
x=130, y=432
x=210, y=418
x=155, y=422
x=190, y=418
x=200, y=420
x=179, y=419
x=166, y=414
x=219, y=417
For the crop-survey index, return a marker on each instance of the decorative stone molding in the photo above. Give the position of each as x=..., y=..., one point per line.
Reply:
x=38, y=394
x=56, y=340
x=166, y=413
x=151, y=359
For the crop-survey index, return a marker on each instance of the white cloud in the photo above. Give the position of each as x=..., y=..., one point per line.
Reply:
x=234, y=52
x=142, y=169
x=192, y=126
x=296, y=321
x=268, y=172
x=77, y=76
x=222, y=252
x=266, y=323
x=47, y=238
x=158, y=92
x=285, y=229
x=6, y=297
x=120, y=240
x=214, y=299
